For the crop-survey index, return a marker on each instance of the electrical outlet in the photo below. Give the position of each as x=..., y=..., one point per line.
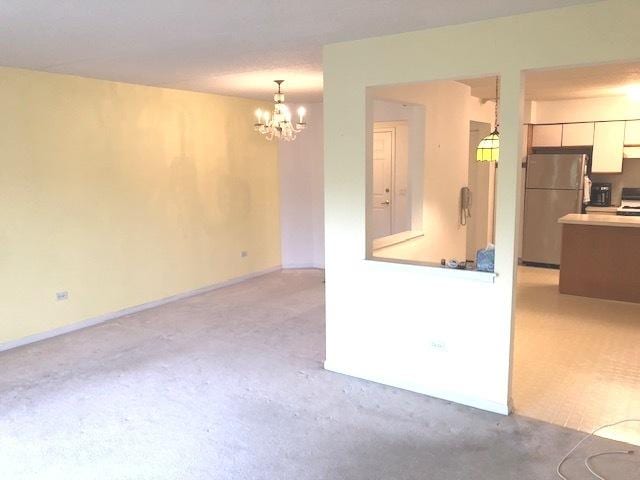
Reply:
x=62, y=296
x=244, y=253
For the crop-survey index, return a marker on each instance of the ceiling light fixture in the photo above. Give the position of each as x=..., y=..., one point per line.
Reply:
x=633, y=92
x=278, y=123
x=489, y=147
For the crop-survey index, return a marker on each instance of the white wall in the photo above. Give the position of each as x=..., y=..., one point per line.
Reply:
x=585, y=110
x=383, y=318
x=301, y=194
x=480, y=111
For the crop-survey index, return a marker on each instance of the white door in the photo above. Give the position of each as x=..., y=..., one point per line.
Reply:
x=383, y=150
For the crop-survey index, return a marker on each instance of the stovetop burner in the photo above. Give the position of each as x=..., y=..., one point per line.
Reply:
x=630, y=205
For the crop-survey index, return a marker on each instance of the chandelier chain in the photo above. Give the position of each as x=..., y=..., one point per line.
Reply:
x=496, y=105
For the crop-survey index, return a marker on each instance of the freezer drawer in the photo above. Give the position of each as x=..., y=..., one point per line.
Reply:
x=542, y=232
x=555, y=171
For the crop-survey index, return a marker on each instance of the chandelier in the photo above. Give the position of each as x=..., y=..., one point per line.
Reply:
x=278, y=123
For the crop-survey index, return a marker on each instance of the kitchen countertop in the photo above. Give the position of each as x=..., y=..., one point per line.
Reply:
x=596, y=209
x=600, y=220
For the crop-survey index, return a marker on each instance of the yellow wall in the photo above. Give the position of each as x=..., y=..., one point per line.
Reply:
x=123, y=194
x=383, y=319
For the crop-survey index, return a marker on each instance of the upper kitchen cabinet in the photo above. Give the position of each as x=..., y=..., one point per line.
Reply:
x=608, y=145
x=577, y=134
x=632, y=133
x=631, y=152
x=547, y=136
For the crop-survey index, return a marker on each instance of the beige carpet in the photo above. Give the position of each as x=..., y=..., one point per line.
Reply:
x=229, y=385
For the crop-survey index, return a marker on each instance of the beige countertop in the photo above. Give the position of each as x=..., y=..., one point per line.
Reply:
x=600, y=220
x=596, y=209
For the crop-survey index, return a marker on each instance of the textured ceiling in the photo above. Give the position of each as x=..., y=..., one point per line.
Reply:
x=581, y=82
x=233, y=47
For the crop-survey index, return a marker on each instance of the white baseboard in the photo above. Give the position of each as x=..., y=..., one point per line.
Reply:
x=470, y=401
x=128, y=311
x=294, y=266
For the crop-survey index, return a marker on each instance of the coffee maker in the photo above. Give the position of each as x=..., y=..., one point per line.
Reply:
x=601, y=194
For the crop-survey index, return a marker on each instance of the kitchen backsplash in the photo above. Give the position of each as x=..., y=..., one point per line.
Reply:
x=630, y=177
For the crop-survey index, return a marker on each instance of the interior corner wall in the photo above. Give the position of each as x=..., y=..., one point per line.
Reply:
x=302, y=194
x=383, y=318
x=124, y=194
x=480, y=111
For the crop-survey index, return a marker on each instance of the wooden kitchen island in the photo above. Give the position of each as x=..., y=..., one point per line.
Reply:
x=600, y=256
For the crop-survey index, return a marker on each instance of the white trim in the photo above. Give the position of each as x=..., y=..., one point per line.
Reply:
x=394, y=239
x=471, y=401
x=89, y=322
x=294, y=266
x=432, y=269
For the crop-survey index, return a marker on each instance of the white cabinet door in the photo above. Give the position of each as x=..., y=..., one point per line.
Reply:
x=577, y=134
x=632, y=133
x=608, y=144
x=631, y=152
x=547, y=136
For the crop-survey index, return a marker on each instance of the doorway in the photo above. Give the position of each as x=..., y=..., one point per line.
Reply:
x=575, y=360
x=390, y=200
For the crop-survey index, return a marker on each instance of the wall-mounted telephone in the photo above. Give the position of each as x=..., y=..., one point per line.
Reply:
x=465, y=205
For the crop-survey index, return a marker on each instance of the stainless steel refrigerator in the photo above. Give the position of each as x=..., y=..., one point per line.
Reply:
x=554, y=188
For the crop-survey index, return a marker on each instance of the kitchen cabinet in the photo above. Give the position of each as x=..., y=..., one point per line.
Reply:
x=547, y=136
x=599, y=257
x=631, y=152
x=608, y=145
x=577, y=134
x=632, y=133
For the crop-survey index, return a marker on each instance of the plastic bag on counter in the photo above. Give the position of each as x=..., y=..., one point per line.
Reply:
x=485, y=258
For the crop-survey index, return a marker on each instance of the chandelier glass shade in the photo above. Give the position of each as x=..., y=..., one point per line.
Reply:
x=489, y=147
x=277, y=124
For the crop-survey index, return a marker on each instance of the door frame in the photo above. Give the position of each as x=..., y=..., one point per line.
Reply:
x=388, y=127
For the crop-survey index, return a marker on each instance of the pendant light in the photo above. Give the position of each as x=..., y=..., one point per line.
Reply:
x=489, y=147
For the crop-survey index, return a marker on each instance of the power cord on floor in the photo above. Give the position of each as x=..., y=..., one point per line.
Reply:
x=588, y=465
x=586, y=461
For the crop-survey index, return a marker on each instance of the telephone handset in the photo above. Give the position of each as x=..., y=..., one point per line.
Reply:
x=465, y=205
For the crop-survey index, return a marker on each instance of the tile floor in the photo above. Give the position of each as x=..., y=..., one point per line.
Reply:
x=577, y=360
